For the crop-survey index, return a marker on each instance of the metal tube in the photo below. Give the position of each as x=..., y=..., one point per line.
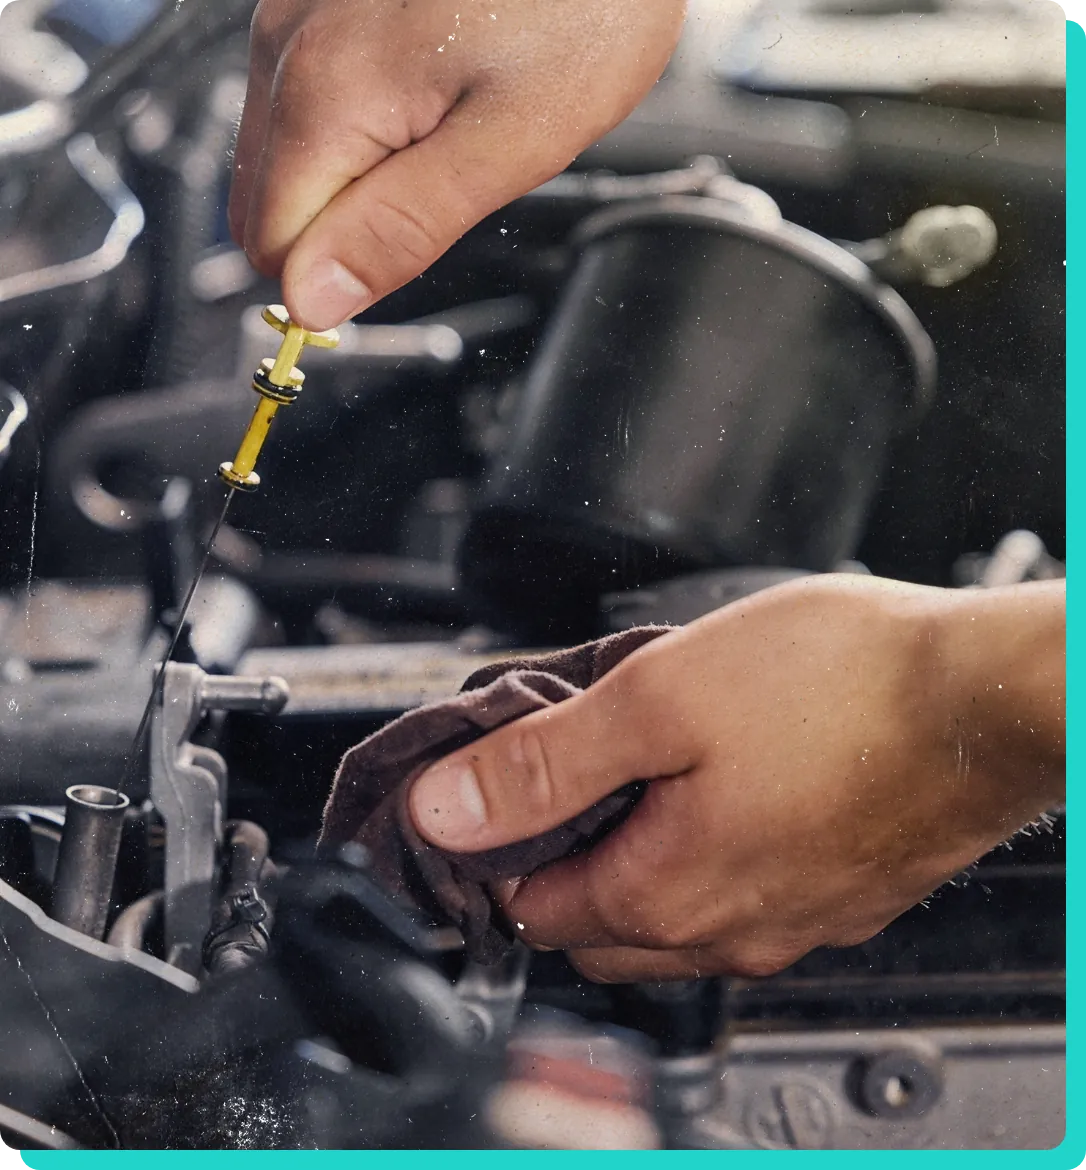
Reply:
x=87, y=861
x=230, y=692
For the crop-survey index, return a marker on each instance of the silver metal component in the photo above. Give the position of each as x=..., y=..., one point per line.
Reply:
x=984, y=1087
x=493, y=995
x=30, y=1133
x=1019, y=556
x=751, y=201
x=331, y=680
x=35, y=59
x=689, y=1085
x=37, y=127
x=235, y=693
x=12, y=416
x=603, y=187
x=100, y=174
x=21, y=917
x=188, y=788
x=838, y=46
x=87, y=861
x=220, y=272
x=945, y=244
x=178, y=632
x=906, y=1080
x=938, y=246
x=434, y=346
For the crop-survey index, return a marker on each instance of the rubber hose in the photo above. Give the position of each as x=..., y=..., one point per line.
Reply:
x=130, y=929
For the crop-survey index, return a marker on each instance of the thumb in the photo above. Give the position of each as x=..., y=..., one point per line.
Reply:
x=543, y=769
x=392, y=223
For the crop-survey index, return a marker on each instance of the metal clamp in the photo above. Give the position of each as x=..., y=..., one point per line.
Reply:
x=188, y=788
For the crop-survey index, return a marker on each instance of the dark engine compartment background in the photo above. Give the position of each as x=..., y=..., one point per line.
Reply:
x=347, y=573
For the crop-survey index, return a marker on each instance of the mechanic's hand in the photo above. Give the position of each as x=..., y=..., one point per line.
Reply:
x=376, y=132
x=822, y=756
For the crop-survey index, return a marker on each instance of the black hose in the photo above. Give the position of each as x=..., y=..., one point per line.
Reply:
x=134, y=922
x=247, y=849
x=242, y=917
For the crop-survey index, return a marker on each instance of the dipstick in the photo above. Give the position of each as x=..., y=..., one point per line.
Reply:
x=278, y=382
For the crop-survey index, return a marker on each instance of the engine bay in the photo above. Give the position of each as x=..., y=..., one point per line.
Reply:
x=784, y=320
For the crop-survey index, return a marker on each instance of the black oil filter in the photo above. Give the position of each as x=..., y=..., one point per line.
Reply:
x=713, y=390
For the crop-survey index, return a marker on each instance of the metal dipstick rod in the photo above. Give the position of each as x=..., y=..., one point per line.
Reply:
x=278, y=383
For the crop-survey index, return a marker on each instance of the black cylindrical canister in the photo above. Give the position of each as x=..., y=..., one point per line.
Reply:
x=713, y=390
x=87, y=861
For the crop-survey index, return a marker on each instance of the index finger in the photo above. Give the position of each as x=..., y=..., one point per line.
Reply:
x=263, y=56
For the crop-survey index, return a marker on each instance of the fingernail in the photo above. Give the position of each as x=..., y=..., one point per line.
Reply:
x=447, y=805
x=328, y=295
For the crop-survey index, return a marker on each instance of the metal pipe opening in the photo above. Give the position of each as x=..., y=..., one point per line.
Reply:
x=93, y=820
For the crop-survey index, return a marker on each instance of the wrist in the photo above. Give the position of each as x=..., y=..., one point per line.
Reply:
x=996, y=664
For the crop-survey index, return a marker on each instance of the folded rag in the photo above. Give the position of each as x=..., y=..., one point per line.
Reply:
x=368, y=802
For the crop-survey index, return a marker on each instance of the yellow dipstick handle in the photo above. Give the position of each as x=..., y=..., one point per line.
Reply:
x=294, y=341
x=278, y=383
x=257, y=432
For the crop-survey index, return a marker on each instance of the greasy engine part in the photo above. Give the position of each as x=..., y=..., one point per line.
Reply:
x=782, y=445
x=242, y=916
x=349, y=1035
x=76, y=661
x=686, y=1021
x=955, y=1088
x=65, y=995
x=16, y=850
x=188, y=784
x=87, y=862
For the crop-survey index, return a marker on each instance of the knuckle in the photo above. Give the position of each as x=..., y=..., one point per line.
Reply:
x=404, y=231
x=266, y=30
x=592, y=967
x=760, y=964
x=297, y=72
x=629, y=679
x=262, y=256
x=667, y=935
x=855, y=936
x=638, y=684
x=537, y=771
x=518, y=775
x=621, y=901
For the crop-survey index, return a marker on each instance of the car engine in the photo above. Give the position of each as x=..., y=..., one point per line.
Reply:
x=795, y=315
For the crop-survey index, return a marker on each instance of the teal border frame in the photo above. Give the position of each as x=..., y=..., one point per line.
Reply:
x=1071, y=1152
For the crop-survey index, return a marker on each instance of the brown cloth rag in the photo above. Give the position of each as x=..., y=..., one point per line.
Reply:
x=368, y=802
